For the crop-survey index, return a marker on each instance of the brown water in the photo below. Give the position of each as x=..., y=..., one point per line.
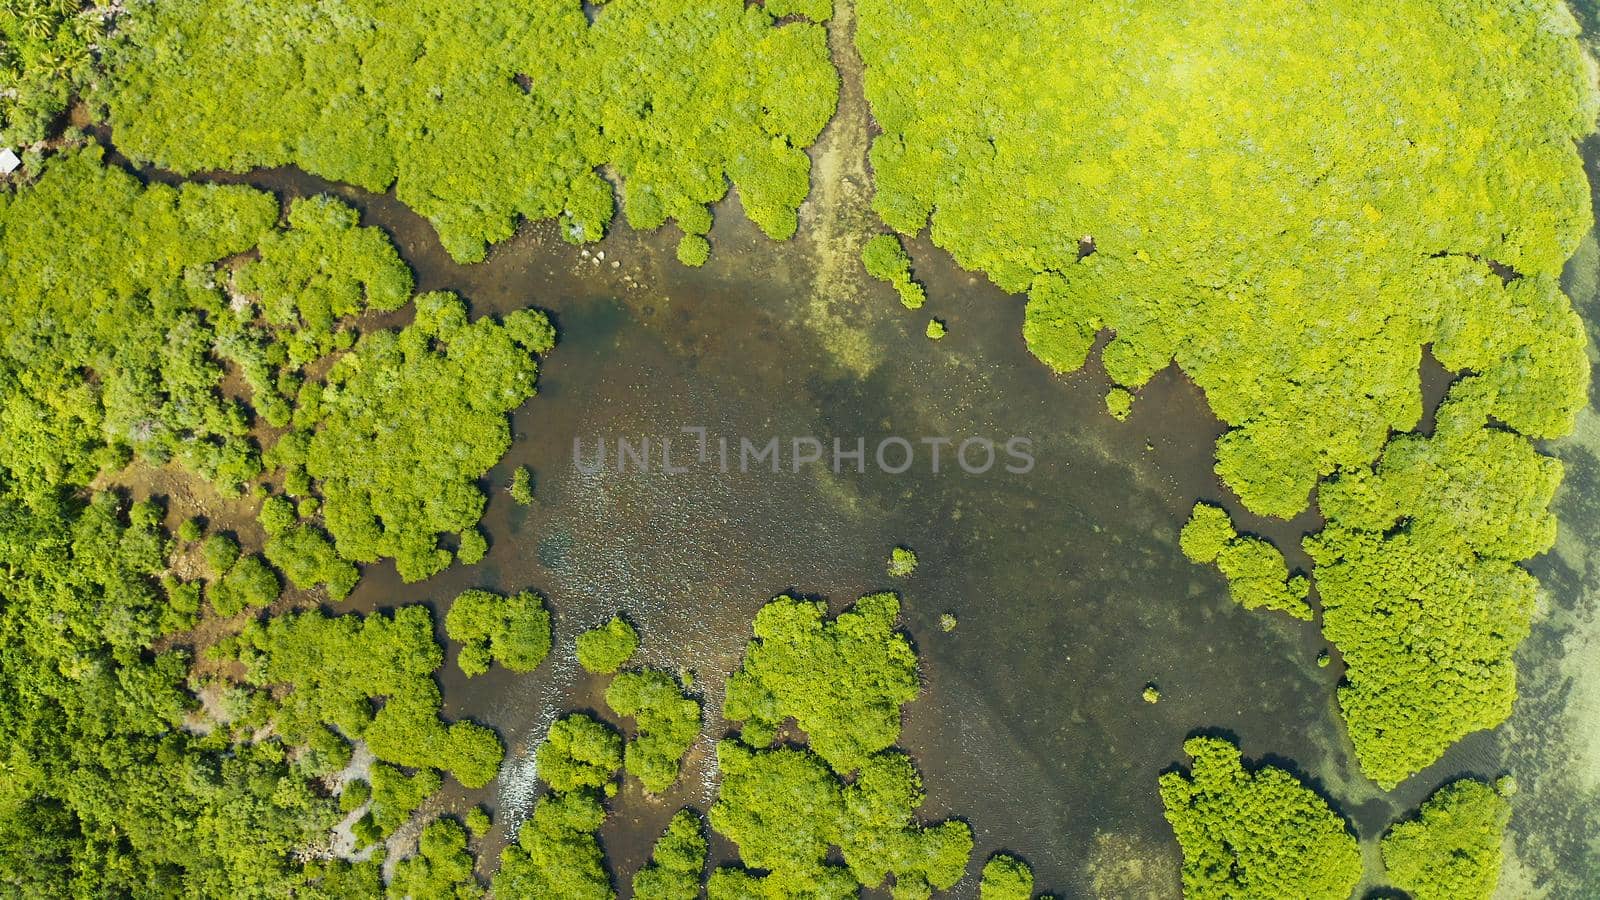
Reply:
x=1066, y=582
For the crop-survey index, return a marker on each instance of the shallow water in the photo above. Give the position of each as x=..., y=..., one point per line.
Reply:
x=1066, y=583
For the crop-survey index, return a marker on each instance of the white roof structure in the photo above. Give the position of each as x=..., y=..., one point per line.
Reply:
x=8, y=161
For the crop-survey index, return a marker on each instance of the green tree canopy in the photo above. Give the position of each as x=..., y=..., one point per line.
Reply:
x=1259, y=834
x=843, y=681
x=1452, y=849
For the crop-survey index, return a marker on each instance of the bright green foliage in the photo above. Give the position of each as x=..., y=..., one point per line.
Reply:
x=1452, y=850
x=607, y=648
x=782, y=807
x=442, y=867
x=514, y=631
x=693, y=250
x=104, y=792
x=677, y=862
x=46, y=52
x=323, y=269
x=880, y=838
x=1006, y=878
x=521, y=488
x=220, y=551
x=353, y=795
x=304, y=554
x=1289, y=201
x=556, y=854
x=106, y=350
x=336, y=667
x=935, y=330
x=785, y=808
x=1258, y=834
x=396, y=795
x=902, y=562
x=276, y=516
x=1119, y=403
x=409, y=420
x=886, y=260
x=1258, y=577
x=843, y=681
x=249, y=584
x=189, y=530
x=478, y=821
x=579, y=752
x=473, y=547
x=667, y=723
x=1428, y=616
x=479, y=113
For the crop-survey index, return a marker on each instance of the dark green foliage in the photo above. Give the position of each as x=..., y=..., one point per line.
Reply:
x=1258, y=577
x=104, y=792
x=607, y=648
x=304, y=554
x=677, y=863
x=556, y=854
x=1452, y=849
x=441, y=868
x=407, y=423
x=514, y=631
x=886, y=260
x=249, y=584
x=334, y=668
x=102, y=275
x=1258, y=834
x=1428, y=616
x=843, y=681
x=478, y=114
x=667, y=723
x=189, y=530
x=220, y=551
x=46, y=52
x=579, y=752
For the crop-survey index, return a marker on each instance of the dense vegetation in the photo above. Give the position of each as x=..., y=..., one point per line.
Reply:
x=1259, y=834
x=842, y=681
x=479, y=113
x=46, y=52
x=441, y=868
x=1289, y=202
x=1006, y=878
x=334, y=668
x=607, y=647
x=1428, y=615
x=886, y=260
x=406, y=423
x=512, y=631
x=665, y=720
x=786, y=807
x=1258, y=577
x=678, y=862
x=1452, y=849
x=556, y=853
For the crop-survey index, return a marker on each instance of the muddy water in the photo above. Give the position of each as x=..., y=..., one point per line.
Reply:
x=1065, y=582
